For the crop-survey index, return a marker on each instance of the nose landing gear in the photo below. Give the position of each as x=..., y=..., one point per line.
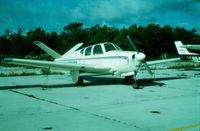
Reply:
x=136, y=85
x=130, y=80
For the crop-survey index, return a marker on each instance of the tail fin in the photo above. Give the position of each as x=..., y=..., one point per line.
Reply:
x=47, y=49
x=73, y=49
x=181, y=50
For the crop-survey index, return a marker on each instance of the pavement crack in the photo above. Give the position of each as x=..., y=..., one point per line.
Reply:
x=118, y=121
x=45, y=100
x=77, y=109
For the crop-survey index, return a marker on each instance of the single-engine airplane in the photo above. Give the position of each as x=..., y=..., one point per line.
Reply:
x=185, y=54
x=99, y=58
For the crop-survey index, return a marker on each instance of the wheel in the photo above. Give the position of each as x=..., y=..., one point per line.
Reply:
x=136, y=85
x=80, y=82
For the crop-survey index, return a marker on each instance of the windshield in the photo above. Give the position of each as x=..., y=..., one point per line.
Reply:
x=109, y=47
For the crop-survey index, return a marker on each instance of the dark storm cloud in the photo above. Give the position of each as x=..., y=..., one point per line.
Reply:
x=133, y=11
x=191, y=7
x=53, y=15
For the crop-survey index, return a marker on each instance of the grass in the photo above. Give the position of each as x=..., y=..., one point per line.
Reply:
x=183, y=74
x=184, y=66
x=49, y=72
x=17, y=74
x=43, y=72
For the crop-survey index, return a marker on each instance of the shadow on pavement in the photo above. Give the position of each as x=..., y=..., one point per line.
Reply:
x=95, y=80
x=36, y=86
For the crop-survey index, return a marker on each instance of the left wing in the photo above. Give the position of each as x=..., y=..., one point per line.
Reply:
x=55, y=64
x=162, y=61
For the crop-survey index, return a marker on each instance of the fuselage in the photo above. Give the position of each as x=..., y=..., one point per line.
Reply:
x=106, y=55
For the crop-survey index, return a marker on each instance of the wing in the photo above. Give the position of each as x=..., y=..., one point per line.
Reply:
x=55, y=64
x=162, y=61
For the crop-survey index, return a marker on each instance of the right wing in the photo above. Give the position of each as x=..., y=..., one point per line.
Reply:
x=55, y=64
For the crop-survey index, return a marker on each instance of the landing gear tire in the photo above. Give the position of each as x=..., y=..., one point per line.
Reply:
x=79, y=82
x=136, y=85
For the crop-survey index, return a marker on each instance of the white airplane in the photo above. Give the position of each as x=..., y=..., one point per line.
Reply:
x=185, y=54
x=99, y=58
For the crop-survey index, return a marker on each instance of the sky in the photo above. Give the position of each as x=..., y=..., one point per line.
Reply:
x=53, y=15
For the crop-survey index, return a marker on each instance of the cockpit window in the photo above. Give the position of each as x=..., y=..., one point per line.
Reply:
x=109, y=47
x=88, y=51
x=97, y=50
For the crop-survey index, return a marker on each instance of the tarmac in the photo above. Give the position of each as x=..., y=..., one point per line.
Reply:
x=168, y=101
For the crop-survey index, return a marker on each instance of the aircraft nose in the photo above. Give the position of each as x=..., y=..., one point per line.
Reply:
x=140, y=57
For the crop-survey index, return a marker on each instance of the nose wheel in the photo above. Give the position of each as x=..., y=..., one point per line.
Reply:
x=130, y=80
x=136, y=85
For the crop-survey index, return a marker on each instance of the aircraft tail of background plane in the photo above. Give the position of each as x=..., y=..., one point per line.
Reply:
x=180, y=49
x=184, y=53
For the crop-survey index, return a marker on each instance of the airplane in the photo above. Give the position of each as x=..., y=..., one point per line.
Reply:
x=193, y=47
x=185, y=54
x=101, y=58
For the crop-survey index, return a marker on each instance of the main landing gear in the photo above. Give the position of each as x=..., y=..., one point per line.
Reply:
x=132, y=81
x=80, y=81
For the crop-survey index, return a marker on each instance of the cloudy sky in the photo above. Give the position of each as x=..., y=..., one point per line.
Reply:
x=53, y=15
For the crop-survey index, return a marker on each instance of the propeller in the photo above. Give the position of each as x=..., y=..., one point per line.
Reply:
x=140, y=56
x=131, y=42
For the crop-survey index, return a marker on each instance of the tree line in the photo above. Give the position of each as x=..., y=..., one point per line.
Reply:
x=153, y=39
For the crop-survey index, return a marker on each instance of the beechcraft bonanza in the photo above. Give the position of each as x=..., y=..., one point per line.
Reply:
x=185, y=54
x=99, y=58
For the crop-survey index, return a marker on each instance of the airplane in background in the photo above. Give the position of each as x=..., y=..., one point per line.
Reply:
x=185, y=54
x=102, y=58
x=193, y=47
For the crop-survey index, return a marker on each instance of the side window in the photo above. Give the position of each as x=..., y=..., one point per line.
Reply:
x=109, y=47
x=82, y=50
x=97, y=50
x=88, y=51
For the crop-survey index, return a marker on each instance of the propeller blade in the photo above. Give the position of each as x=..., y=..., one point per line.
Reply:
x=131, y=42
x=147, y=68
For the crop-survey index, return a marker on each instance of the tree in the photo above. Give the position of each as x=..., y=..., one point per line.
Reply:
x=153, y=39
x=73, y=27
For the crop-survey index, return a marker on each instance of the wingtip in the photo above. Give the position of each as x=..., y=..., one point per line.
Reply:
x=6, y=60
